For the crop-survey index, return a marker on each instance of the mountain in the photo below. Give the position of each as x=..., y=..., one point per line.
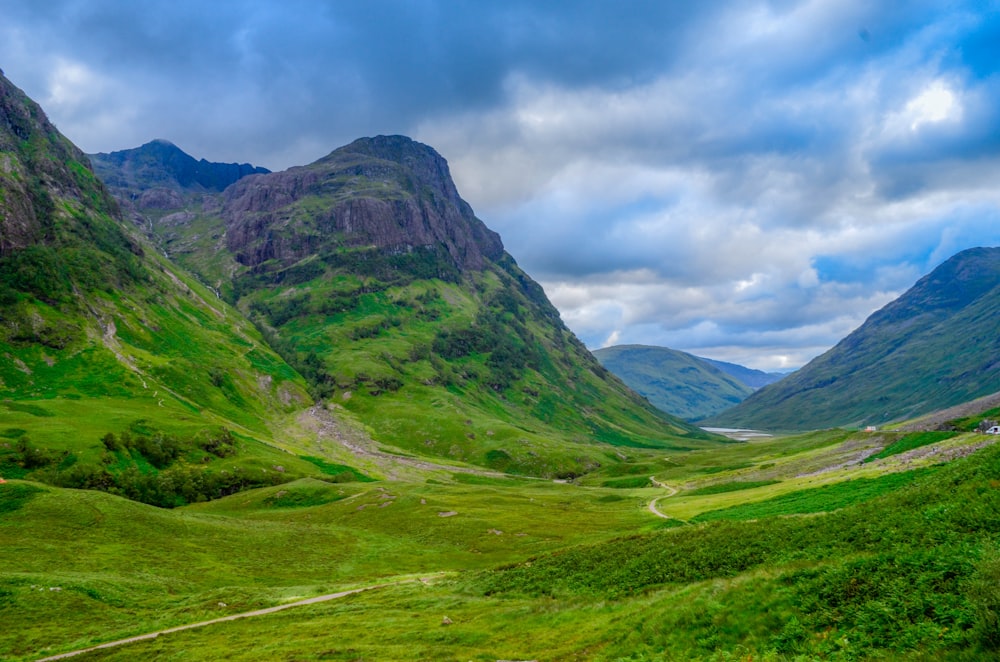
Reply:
x=100, y=335
x=936, y=346
x=372, y=277
x=159, y=174
x=674, y=381
x=753, y=378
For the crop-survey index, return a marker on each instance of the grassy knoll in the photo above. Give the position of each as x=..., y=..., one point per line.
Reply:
x=735, y=486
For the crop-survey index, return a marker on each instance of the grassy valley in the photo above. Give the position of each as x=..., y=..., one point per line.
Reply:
x=335, y=378
x=779, y=550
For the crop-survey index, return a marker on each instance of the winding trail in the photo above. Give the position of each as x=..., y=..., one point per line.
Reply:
x=652, y=504
x=233, y=617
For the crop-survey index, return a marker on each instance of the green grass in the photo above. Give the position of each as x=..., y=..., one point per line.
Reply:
x=146, y=567
x=910, y=574
x=15, y=496
x=734, y=486
x=20, y=407
x=911, y=441
x=817, y=499
x=626, y=483
x=339, y=471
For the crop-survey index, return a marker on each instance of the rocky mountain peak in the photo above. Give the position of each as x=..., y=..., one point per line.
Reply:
x=423, y=161
x=386, y=192
x=159, y=174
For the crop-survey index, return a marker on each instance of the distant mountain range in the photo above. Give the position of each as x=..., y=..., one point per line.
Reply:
x=936, y=346
x=755, y=379
x=160, y=176
x=682, y=384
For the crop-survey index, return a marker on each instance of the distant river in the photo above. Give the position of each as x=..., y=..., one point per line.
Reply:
x=739, y=434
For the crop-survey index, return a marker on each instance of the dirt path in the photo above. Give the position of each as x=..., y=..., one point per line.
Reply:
x=231, y=617
x=652, y=504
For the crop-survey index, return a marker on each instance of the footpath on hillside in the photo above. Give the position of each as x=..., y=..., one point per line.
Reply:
x=233, y=617
x=652, y=504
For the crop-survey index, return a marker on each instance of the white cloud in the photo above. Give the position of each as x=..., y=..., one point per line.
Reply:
x=935, y=104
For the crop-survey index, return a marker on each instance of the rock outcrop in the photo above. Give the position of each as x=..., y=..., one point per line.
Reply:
x=387, y=192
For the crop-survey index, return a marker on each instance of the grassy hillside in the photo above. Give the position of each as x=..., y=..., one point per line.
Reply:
x=673, y=381
x=936, y=346
x=123, y=567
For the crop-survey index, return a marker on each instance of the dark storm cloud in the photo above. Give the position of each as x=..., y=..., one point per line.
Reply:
x=332, y=70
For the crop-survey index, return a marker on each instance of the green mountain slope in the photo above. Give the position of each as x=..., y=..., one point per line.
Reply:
x=936, y=346
x=371, y=276
x=753, y=378
x=99, y=334
x=674, y=381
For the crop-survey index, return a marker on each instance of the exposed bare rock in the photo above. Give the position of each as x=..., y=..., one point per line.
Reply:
x=388, y=192
x=159, y=198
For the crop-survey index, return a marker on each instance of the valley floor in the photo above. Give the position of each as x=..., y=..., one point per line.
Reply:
x=533, y=569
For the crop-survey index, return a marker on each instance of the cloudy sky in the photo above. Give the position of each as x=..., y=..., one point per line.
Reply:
x=746, y=181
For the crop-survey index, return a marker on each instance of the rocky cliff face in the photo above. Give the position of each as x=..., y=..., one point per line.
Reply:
x=388, y=192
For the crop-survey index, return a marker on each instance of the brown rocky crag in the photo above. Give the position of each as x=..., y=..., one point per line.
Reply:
x=387, y=192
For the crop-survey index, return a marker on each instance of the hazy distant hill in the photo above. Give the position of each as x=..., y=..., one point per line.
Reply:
x=753, y=378
x=674, y=381
x=936, y=346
